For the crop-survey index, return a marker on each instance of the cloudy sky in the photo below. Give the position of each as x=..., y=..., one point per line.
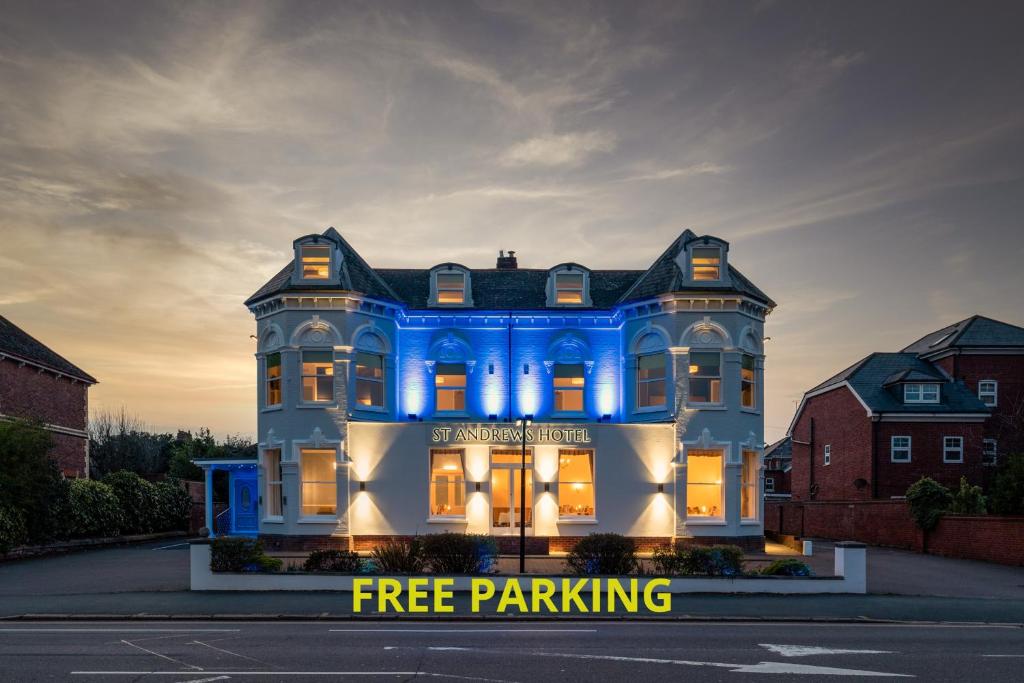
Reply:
x=864, y=159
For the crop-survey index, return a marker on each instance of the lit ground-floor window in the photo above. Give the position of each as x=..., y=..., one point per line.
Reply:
x=272, y=474
x=319, y=493
x=749, y=482
x=447, y=483
x=704, y=483
x=575, y=483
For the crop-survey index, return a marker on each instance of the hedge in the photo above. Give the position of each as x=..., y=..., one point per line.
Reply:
x=95, y=510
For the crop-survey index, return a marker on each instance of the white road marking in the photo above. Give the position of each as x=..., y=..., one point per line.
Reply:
x=759, y=668
x=207, y=680
x=120, y=630
x=462, y=630
x=810, y=650
x=1002, y=655
x=229, y=652
x=169, y=659
x=271, y=673
x=168, y=547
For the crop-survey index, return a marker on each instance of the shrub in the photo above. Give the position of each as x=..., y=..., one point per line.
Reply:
x=333, y=561
x=668, y=561
x=602, y=554
x=95, y=511
x=172, y=506
x=968, y=500
x=400, y=556
x=234, y=554
x=928, y=500
x=137, y=498
x=1008, y=489
x=787, y=567
x=451, y=553
x=30, y=482
x=12, y=528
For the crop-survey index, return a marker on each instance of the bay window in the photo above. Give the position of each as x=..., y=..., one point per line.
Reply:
x=447, y=483
x=318, y=492
x=370, y=380
x=575, y=483
x=272, y=488
x=450, y=387
x=273, y=379
x=650, y=381
x=748, y=384
x=317, y=376
x=705, y=377
x=569, y=385
x=749, y=497
x=704, y=483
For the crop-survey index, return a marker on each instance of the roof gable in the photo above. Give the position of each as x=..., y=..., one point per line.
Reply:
x=18, y=343
x=974, y=332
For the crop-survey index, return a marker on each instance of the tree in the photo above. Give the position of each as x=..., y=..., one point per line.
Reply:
x=30, y=483
x=1007, y=497
x=120, y=441
x=928, y=500
x=968, y=500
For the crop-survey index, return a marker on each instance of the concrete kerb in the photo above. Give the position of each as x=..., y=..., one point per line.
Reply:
x=850, y=578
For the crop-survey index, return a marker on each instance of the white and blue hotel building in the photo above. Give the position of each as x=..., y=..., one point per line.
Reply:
x=387, y=401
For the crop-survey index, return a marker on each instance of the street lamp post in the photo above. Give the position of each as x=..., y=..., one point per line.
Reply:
x=524, y=423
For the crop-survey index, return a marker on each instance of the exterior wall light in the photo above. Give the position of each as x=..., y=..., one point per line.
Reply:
x=412, y=417
x=607, y=417
x=362, y=486
x=547, y=487
x=493, y=417
x=476, y=487
x=661, y=488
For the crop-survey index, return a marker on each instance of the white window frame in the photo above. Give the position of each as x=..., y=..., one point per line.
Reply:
x=690, y=377
x=451, y=288
x=752, y=381
x=893, y=448
x=750, y=485
x=581, y=390
x=920, y=392
x=694, y=265
x=724, y=450
x=436, y=289
x=269, y=481
x=302, y=260
x=826, y=456
x=267, y=379
x=639, y=382
x=302, y=448
x=993, y=393
x=431, y=515
x=581, y=289
x=382, y=381
x=303, y=376
x=989, y=452
x=769, y=484
x=593, y=484
x=464, y=388
x=953, y=444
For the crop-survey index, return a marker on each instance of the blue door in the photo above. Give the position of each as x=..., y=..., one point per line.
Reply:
x=244, y=503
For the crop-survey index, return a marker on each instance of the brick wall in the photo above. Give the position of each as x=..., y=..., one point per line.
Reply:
x=888, y=523
x=894, y=478
x=26, y=392
x=841, y=422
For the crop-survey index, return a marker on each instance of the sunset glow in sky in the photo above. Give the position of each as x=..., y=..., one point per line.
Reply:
x=864, y=160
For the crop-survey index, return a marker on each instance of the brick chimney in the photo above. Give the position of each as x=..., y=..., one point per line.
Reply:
x=507, y=262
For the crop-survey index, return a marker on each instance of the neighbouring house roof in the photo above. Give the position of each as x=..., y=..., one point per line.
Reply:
x=914, y=375
x=782, y=449
x=974, y=332
x=509, y=289
x=871, y=376
x=20, y=345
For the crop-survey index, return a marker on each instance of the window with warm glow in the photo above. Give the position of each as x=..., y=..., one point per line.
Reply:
x=370, y=380
x=273, y=370
x=920, y=393
x=705, y=377
x=650, y=380
x=899, y=449
x=707, y=263
x=704, y=483
x=451, y=287
x=316, y=262
x=447, y=483
x=450, y=385
x=569, y=288
x=748, y=385
x=952, y=449
x=575, y=483
x=272, y=478
x=749, y=499
x=317, y=376
x=569, y=385
x=988, y=392
x=319, y=490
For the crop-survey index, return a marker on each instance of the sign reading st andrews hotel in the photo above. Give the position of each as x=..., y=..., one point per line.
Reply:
x=387, y=401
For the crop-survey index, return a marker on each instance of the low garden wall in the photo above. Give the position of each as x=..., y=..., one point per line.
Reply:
x=989, y=538
x=850, y=570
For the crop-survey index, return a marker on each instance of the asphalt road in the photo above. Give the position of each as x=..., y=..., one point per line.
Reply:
x=594, y=651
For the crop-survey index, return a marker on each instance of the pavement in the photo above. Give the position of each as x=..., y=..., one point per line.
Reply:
x=150, y=581
x=505, y=652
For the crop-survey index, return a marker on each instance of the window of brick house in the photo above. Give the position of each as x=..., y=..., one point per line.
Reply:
x=826, y=456
x=989, y=452
x=920, y=393
x=899, y=449
x=988, y=392
x=952, y=449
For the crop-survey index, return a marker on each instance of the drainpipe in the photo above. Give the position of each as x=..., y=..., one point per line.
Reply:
x=810, y=469
x=509, y=364
x=874, y=458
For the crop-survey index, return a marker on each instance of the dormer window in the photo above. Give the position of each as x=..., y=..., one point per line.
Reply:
x=569, y=288
x=920, y=393
x=451, y=288
x=707, y=263
x=316, y=261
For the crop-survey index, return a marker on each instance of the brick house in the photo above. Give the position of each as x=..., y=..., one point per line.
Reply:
x=778, y=467
x=37, y=383
x=934, y=409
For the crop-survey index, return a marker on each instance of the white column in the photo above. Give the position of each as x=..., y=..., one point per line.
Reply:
x=208, y=471
x=851, y=564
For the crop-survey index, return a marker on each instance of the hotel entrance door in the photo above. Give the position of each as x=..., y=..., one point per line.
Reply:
x=506, y=480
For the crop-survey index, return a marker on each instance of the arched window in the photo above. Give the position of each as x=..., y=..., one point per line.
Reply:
x=370, y=370
x=650, y=363
x=451, y=285
x=569, y=285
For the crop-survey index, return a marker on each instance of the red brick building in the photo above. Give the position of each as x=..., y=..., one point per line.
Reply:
x=943, y=407
x=37, y=383
x=778, y=467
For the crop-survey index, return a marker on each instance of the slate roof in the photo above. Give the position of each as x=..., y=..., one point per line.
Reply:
x=782, y=449
x=974, y=332
x=869, y=375
x=509, y=289
x=18, y=343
